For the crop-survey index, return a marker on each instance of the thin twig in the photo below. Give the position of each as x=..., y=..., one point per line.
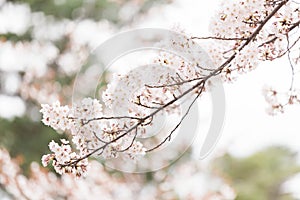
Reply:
x=132, y=141
x=180, y=122
x=290, y=61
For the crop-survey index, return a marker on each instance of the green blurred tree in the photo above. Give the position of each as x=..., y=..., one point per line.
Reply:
x=25, y=139
x=261, y=175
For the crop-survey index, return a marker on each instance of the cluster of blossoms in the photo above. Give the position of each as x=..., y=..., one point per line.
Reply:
x=231, y=25
x=278, y=101
x=132, y=94
x=56, y=116
x=237, y=21
x=244, y=62
x=91, y=132
x=185, y=56
x=62, y=158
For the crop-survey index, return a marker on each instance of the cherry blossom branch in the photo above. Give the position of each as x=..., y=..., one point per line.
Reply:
x=294, y=25
x=174, y=84
x=259, y=28
x=218, y=38
x=108, y=118
x=240, y=29
x=199, y=84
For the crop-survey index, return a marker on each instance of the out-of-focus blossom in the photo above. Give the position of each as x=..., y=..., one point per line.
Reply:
x=11, y=106
x=165, y=184
x=11, y=82
x=70, y=62
x=33, y=56
x=46, y=28
x=14, y=18
x=91, y=33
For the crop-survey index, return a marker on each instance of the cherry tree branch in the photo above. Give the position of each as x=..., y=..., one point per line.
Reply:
x=218, y=38
x=200, y=84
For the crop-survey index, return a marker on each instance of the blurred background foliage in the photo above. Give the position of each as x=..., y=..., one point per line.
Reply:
x=261, y=175
x=82, y=9
x=257, y=177
x=26, y=140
